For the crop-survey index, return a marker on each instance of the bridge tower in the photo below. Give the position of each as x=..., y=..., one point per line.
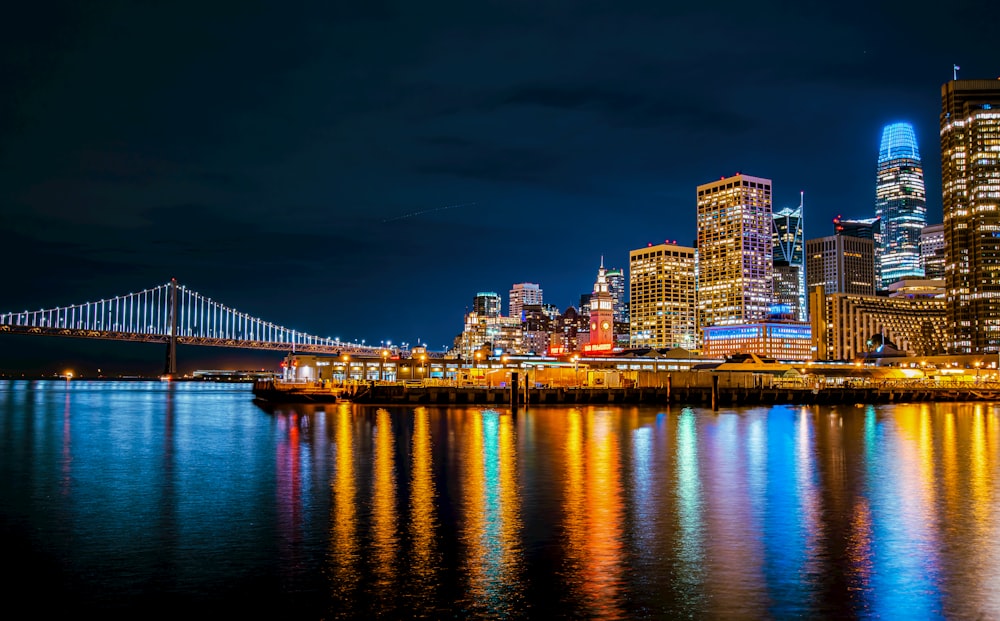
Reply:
x=170, y=367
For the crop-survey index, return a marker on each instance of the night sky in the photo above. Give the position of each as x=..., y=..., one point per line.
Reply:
x=360, y=170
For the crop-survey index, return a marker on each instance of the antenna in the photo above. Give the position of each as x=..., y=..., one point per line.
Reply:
x=954, y=72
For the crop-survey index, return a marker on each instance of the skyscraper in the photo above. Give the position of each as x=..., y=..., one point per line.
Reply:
x=900, y=205
x=522, y=294
x=662, y=294
x=932, y=250
x=487, y=304
x=970, y=195
x=841, y=263
x=735, y=251
x=602, y=315
x=789, y=267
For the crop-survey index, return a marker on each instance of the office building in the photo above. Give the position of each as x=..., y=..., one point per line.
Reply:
x=662, y=297
x=487, y=304
x=521, y=295
x=618, y=289
x=970, y=194
x=900, y=205
x=789, y=286
x=868, y=228
x=932, y=250
x=842, y=264
x=735, y=251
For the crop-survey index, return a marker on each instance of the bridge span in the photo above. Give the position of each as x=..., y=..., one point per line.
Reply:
x=171, y=314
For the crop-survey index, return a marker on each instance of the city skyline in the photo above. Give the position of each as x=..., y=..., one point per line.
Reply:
x=324, y=179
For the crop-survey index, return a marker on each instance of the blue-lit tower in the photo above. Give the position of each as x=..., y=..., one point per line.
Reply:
x=789, y=266
x=900, y=206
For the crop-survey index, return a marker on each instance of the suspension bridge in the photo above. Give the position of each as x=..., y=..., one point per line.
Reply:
x=171, y=314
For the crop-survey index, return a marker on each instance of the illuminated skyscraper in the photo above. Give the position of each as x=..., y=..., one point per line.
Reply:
x=970, y=194
x=735, y=251
x=662, y=297
x=900, y=205
x=521, y=295
x=486, y=304
x=841, y=264
x=789, y=268
x=932, y=250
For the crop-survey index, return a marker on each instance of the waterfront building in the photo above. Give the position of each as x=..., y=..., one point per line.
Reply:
x=779, y=340
x=487, y=303
x=970, y=194
x=735, y=251
x=842, y=264
x=932, y=250
x=789, y=286
x=522, y=294
x=662, y=296
x=602, y=316
x=848, y=326
x=900, y=205
x=498, y=333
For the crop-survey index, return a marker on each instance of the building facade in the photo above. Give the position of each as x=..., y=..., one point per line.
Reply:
x=487, y=304
x=900, y=205
x=932, y=250
x=662, y=297
x=849, y=327
x=602, y=316
x=841, y=264
x=735, y=251
x=789, y=260
x=783, y=341
x=970, y=195
x=522, y=294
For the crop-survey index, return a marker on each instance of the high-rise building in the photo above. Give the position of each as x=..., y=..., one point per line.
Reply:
x=900, y=205
x=486, y=304
x=869, y=228
x=842, y=264
x=618, y=291
x=735, y=251
x=522, y=294
x=970, y=194
x=932, y=250
x=662, y=297
x=789, y=268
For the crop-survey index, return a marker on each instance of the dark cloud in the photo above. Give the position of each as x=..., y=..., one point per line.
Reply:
x=264, y=153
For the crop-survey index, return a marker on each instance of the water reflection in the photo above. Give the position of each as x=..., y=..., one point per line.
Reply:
x=344, y=555
x=594, y=514
x=492, y=529
x=424, y=557
x=875, y=511
x=384, y=534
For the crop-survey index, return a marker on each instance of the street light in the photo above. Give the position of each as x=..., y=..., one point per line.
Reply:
x=347, y=367
x=385, y=355
x=423, y=361
x=576, y=380
x=479, y=356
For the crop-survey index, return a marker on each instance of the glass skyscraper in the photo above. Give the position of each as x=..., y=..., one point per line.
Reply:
x=789, y=267
x=900, y=206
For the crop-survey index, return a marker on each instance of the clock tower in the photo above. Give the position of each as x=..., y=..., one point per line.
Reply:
x=602, y=315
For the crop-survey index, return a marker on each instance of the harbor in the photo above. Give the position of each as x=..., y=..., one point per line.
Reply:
x=714, y=393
